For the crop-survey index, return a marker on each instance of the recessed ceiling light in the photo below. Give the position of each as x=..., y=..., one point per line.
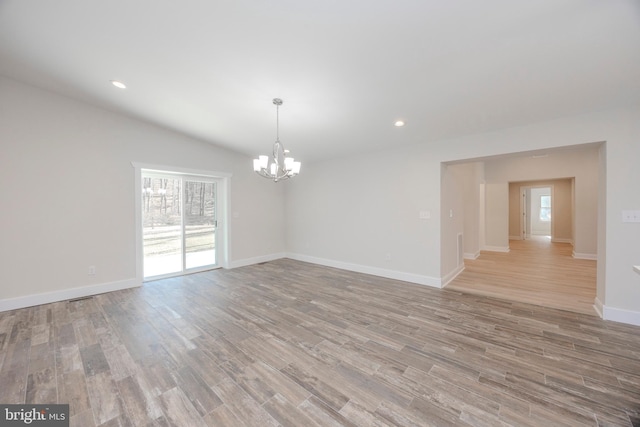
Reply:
x=399, y=123
x=118, y=84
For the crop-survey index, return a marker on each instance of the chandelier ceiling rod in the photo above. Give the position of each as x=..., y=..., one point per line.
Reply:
x=277, y=102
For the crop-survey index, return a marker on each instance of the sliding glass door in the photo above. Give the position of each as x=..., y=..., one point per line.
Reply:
x=178, y=223
x=199, y=223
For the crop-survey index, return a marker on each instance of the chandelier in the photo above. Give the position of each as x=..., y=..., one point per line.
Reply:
x=279, y=166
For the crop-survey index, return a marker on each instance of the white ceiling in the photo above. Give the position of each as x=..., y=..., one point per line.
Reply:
x=346, y=69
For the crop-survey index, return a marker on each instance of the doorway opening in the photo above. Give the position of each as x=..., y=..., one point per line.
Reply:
x=536, y=219
x=542, y=208
x=488, y=194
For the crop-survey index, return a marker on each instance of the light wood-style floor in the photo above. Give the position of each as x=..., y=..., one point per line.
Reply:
x=535, y=271
x=295, y=344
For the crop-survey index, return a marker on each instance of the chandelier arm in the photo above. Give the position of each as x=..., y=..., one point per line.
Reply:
x=280, y=174
x=274, y=170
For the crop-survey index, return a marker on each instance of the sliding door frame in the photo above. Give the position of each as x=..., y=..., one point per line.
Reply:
x=223, y=180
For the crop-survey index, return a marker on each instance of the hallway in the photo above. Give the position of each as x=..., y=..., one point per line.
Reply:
x=535, y=271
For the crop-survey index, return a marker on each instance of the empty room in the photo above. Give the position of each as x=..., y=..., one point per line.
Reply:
x=415, y=213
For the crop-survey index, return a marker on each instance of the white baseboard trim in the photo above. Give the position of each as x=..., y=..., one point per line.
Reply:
x=598, y=306
x=585, y=256
x=621, y=315
x=496, y=248
x=554, y=240
x=468, y=255
x=374, y=271
x=66, y=294
x=449, y=277
x=256, y=260
x=616, y=314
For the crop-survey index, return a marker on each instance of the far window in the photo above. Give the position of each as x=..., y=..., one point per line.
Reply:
x=545, y=208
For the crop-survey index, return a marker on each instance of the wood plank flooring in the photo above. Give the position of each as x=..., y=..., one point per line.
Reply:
x=288, y=343
x=535, y=271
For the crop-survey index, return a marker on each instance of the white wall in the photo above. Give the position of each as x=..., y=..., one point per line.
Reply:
x=601, y=276
x=452, y=212
x=470, y=177
x=496, y=216
x=621, y=299
x=362, y=213
x=351, y=211
x=68, y=194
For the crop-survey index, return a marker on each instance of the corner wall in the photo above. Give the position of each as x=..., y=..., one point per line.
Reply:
x=359, y=216
x=68, y=195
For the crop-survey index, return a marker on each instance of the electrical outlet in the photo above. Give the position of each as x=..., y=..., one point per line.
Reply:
x=630, y=216
x=425, y=215
x=92, y=270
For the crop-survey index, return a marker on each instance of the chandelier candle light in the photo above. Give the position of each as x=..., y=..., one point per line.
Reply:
x=279, y=166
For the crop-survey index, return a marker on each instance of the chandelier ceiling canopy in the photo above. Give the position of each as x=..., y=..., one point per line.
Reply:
x=277, y=167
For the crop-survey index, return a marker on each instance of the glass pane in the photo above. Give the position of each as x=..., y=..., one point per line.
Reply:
x=200, y=223
x=545, y=201
x=161, y=226
x=545, y=214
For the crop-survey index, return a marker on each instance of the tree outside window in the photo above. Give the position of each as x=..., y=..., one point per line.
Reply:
x=545, y=208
